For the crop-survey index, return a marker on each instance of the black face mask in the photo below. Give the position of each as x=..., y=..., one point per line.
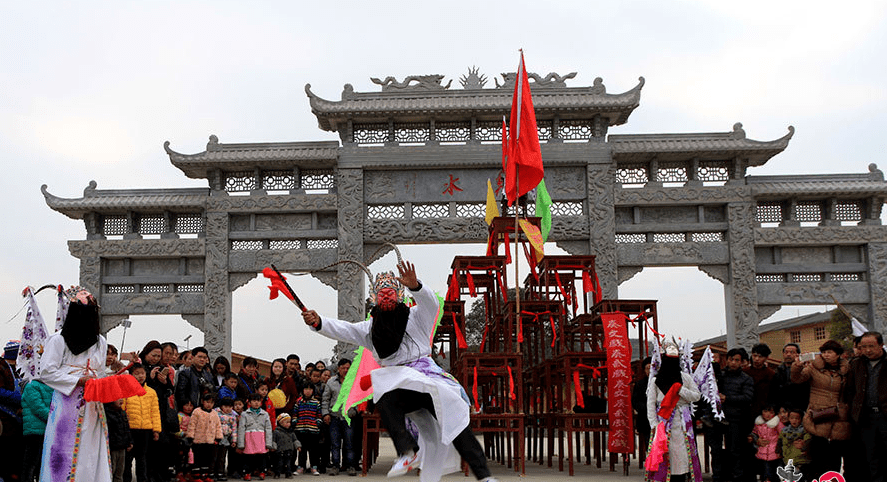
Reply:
x=81, y=328
x=388, y=329
x=669, y=373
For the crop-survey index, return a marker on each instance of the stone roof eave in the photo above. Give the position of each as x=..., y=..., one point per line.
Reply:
x=120, y=201
x=379, y=106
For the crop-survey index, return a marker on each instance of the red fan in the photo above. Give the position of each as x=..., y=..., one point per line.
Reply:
x=108, y=389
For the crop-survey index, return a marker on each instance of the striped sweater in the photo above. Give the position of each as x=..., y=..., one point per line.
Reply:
x=307, y=415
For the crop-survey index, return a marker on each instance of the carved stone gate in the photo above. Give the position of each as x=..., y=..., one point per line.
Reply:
x=412, y=167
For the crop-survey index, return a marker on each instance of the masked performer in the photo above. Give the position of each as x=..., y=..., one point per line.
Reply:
x=670, y=392
x=76, y=443
x=409, y=382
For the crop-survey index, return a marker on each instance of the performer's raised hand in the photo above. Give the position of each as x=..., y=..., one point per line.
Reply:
x=408, y=275
x=311, y=318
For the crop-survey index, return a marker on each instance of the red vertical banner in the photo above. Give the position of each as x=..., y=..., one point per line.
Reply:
x=621, y=435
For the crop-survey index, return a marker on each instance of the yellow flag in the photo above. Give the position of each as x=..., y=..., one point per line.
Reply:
x=534, y=236
x=492, y=209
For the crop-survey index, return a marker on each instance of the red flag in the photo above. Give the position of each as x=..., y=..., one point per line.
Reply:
x=278, y=284
x=523, y=143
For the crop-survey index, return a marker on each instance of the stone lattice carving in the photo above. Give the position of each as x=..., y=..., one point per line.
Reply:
x=718, y=272
x=568, y=227
x=291, y=202
x=602, y=226
x=742, y=304
x=626, y=273
x=91, y=275
x=217, y=295
x=427, y=230
x=877, y=255
x=695, y=195
x=811, y=293
x=329, y=278
x=552, y=80
x=576, y=248
x=412, y=83
x=145, y=248
x=154, y=303
x=236, y=280
x=766, y=311
x=819, y=235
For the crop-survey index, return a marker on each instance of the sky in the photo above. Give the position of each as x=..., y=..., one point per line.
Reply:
x=90, y=91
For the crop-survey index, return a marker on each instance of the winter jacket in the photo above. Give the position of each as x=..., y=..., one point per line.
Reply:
x=825, y=390
x=289, y=388
x=767, y=431
x=246, y=385
x=192, y=384
x=785, y=393
x=119, y=436
x=285, y=439
x=229, y=426
x=143, y=411
x=36, y=399
x=763, y=382
x=184, y=421
x=226, y=392
x=307, y=415
x=738, y=389
x=251, y=421
x=856, y=386
x=787, y=438
x=328, y=400
x=204, y=427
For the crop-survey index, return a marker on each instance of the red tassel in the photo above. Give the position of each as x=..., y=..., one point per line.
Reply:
x=511, y=394
x=597, y=289
x=580, y=400
x=490, y=245
x=587, y=285
x=470, y=280
x=507, y=251
x=553, y=330
x=669, y=401
x=557, y=278
x=474, y=391
x=453, y=291
x=459, y=337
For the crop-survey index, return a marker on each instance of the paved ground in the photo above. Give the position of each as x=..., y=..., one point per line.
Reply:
x=535, y=472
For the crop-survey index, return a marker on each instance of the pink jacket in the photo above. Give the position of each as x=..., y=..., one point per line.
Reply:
x=767, y=431
x=204, y=427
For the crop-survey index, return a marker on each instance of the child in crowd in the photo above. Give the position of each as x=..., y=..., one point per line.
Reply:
x=235, y=459
x=308, y=418
x=185, y=410
x=119, y=438
x=144, y=424
x=766, y=437
x=229, y=387
x=254, y=437
x=286, y=443
x=36, y=398
x=228, y=419
x=204, y=433
x=794, y=439
x=263, y=389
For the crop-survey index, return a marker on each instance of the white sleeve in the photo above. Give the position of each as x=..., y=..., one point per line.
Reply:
x=652, y=395
x=354, y=333
x=53, y=371
x=689, y=391
x=426, y=310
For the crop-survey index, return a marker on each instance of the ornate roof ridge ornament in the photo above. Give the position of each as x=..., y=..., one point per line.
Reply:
x=550, y=81
x=474, y=80
x=422, y=83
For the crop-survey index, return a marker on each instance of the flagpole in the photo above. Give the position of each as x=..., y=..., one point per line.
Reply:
x=516, y=254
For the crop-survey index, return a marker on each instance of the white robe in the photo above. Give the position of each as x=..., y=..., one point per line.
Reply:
x=678, y=458
x=436, y=454
x=75, y=447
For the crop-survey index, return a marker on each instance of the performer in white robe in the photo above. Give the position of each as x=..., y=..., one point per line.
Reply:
x=409, y=382
x=75, y=446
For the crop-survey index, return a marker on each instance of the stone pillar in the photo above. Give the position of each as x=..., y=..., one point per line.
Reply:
x=350, y=277
x=216, y=292
x=91, y=279
x=602, y=225
x=877, y=261
x=741, y=290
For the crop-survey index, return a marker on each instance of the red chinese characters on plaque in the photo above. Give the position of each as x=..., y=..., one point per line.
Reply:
x=621, y=436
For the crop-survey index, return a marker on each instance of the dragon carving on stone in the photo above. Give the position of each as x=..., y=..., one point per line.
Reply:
x=552, y=80
x=422, y=82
